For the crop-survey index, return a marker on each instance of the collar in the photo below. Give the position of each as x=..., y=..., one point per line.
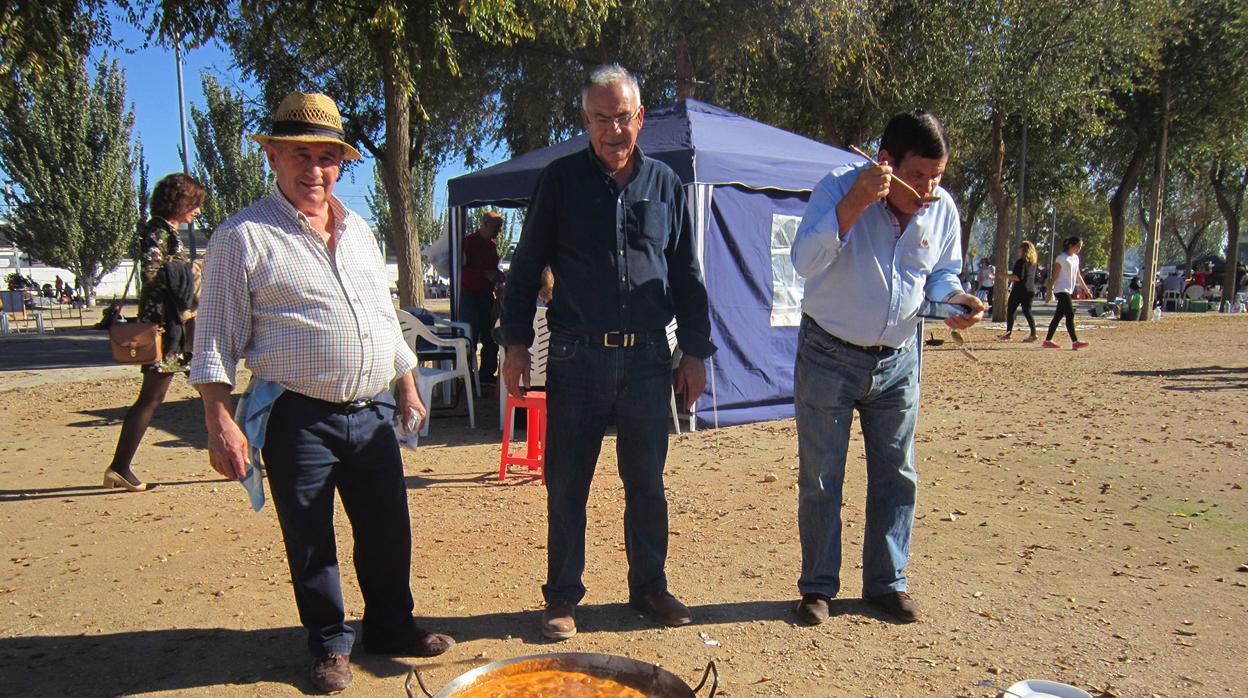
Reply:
x=638, y=156
x=168, y=226
x=335, y=207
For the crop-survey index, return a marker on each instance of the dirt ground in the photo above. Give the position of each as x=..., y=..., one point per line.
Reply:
x=1082, y=518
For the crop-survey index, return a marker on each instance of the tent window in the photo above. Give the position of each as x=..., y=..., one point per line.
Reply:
x=786, y=285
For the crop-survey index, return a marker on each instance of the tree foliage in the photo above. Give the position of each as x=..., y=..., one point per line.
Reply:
x=227, y=163
x=66, y=144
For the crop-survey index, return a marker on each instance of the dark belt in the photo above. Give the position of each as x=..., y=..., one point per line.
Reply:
x=875, y=349
x=347, y=407
x=619, y=339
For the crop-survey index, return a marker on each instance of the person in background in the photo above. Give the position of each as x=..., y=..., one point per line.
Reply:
x=163, y=264
x=1063, y=281
x=871, y=253
x=986, y=276
x=476, y=293
x=1023, y=290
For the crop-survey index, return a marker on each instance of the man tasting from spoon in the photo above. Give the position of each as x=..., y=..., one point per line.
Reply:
x=871, y=254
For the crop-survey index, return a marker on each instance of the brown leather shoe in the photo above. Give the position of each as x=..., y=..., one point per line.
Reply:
x=664, y=608
x=897, y=604
x=419, y=643
x=559, y=620
x=331, y=673
x=813, y=609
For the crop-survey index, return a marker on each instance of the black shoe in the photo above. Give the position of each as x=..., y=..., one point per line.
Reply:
x=419, y=643
x=331, y=673
x=813, y=609
x=897, y=604
x=664, y=608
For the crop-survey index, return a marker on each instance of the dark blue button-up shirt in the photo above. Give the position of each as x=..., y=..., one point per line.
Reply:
x=622, y=258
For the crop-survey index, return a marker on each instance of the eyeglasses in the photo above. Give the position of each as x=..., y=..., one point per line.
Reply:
x=607, y=121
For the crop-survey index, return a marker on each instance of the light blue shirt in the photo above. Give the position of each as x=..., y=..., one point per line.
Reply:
x=866, y=288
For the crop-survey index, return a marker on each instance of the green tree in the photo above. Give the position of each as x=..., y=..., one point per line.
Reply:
x=227, y=163
x=65, y=142
x=397, y=69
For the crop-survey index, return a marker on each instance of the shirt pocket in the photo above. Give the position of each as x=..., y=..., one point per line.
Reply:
x=919, y=254
x=654, y=224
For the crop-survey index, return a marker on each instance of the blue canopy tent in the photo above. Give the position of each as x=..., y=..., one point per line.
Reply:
x=747, y=185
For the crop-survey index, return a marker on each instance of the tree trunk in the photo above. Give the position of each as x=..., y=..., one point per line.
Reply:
x=1230, y=196
x=396, y=173
x=969, y=213
x=1001, y=242
x=1117, y=214
x=684, y=70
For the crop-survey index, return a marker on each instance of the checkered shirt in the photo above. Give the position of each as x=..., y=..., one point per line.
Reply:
x=323, y=326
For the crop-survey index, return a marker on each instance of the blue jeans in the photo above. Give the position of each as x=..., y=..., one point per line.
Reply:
x=588, y=387
x=312, y=448
x=831, y=380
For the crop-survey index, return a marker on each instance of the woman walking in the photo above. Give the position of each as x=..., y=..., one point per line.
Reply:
x=164, y=299
x=1062, y=282
x=1023, y=278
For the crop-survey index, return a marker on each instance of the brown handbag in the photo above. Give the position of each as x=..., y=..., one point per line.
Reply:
x=136, y=342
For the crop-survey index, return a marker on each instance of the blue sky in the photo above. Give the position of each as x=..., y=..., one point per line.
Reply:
x=151, y=85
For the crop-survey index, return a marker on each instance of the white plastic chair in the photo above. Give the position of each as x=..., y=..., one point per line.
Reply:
x=1193, y=293
x=539, y=352
x=427, y=377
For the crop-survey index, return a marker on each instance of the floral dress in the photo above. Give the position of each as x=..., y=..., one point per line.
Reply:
x=159, y=243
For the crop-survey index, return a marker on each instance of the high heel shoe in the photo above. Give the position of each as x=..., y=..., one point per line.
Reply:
x=112, y=479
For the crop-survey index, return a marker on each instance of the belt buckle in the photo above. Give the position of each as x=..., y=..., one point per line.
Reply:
x=357, y=405
x=626, y=339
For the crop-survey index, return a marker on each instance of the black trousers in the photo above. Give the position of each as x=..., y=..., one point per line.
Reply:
x=477, y=309
x=311, y=449
x=1020, y=296
x=1065, y=309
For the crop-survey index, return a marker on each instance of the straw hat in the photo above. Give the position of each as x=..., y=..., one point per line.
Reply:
x=309, y=118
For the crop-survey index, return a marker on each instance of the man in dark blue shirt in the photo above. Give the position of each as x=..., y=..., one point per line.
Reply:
x=614, y=228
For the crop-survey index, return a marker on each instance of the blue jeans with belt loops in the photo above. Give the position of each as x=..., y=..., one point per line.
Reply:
x=588, y=387
x=831, y=380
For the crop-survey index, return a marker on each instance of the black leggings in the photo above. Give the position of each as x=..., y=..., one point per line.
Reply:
x=138, y=417
x=1020, y=296
x=1065, y=309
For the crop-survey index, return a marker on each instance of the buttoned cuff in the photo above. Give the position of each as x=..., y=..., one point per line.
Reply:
x=693, y=345
x=506, y=335
x=405, y=360
x=210, y=367
x=941, y=291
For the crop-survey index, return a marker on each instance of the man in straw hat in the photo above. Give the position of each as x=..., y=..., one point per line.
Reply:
x=295, y=284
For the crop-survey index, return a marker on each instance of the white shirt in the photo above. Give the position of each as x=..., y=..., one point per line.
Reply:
x=1068, y=273
x=321, y=326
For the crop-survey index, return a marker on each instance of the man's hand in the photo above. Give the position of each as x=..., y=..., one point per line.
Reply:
x=228, y=449
x=516, y=369
x=961, y=322
x=690, y=380
x=410, y=406
x=869, y=186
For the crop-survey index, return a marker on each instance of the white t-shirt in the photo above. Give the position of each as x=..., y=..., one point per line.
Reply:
x=987, y=276
x=1068, y=273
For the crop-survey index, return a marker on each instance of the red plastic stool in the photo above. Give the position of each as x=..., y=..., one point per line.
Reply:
x=534, y=453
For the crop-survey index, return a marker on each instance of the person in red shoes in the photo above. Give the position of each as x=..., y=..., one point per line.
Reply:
x=1062, y=282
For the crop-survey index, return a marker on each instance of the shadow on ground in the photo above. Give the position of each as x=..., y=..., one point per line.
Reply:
x=1197, y=378
x=184, y=419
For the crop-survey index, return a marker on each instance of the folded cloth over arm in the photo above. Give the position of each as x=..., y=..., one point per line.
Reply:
x=252, y=416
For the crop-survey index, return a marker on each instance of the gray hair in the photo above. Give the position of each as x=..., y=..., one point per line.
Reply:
x=608, y=74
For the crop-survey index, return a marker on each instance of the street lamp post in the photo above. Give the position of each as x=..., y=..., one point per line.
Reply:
x=186, y=163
